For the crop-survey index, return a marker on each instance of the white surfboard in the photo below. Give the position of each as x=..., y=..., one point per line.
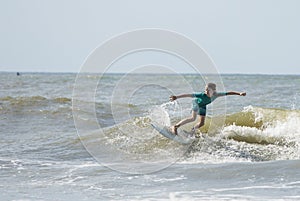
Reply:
x=168, y=134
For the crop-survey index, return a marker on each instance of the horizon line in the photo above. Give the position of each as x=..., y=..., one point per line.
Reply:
x=146, y=73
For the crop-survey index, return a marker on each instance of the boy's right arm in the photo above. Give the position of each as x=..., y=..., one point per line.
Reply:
x=173, y=97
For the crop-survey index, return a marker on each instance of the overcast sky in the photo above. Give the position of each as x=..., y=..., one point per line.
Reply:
x=241, y=36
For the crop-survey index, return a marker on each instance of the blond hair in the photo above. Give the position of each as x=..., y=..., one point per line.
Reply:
x=213, y=86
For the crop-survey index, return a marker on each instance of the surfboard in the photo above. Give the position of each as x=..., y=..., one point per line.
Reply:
x=180, y=138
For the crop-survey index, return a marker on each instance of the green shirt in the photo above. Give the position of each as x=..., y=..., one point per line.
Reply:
x=202, y=99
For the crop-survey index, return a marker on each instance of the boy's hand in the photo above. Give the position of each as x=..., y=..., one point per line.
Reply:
x=172, y=98
x=243, y=94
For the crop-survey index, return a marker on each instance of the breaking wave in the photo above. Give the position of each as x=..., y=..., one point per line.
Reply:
x=254, y=134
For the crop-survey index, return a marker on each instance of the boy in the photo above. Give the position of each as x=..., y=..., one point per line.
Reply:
x=199, y=105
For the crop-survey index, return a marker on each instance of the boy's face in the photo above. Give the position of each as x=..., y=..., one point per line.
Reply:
x=209, y=91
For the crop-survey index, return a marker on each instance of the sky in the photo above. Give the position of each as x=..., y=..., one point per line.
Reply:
x=241, y=36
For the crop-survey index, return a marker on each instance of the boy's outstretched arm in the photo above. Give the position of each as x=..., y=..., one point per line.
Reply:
x=236, y=93
x=173, y=97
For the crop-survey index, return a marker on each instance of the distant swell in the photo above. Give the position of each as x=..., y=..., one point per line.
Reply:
x=33, y=100
x=33, y=105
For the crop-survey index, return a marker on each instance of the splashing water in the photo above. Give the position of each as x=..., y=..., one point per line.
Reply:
x=162, y=114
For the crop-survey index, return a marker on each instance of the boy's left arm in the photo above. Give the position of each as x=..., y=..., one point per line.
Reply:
x=236, y=93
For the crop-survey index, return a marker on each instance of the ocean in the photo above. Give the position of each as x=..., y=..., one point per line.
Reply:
x=62, y=138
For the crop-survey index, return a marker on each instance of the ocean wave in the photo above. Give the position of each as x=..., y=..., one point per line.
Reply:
x=32, y=105
x=254, y=134
x=254, y=117
x=33, y=100
x=263, y=126
x=35, y=105
x=40, y=100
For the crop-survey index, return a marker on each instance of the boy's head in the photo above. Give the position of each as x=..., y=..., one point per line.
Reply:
x=212, y=86
x=210, y=89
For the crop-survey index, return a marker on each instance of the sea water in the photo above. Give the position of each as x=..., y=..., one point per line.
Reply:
x=248, y=149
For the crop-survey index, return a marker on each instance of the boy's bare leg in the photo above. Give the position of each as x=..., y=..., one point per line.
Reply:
x=199, y=124
x=183, y=122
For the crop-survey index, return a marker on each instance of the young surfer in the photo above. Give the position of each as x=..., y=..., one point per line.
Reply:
x=199, y=105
